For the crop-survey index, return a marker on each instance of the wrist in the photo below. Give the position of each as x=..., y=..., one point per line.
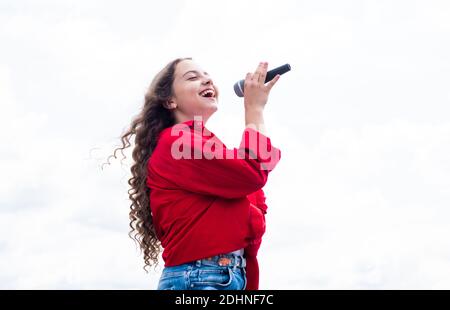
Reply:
x=254, y=119
x=253, y=108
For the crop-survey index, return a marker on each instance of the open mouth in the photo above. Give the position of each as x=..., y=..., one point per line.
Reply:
x=208, y=93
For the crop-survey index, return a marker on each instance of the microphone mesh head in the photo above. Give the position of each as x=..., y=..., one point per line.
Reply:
x=239, y=88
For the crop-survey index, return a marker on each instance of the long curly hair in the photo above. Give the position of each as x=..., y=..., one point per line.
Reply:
x=146, y=127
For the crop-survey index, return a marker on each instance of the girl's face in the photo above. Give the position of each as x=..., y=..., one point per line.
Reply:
x=189, y=99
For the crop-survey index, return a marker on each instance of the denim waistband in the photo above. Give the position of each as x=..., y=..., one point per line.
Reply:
x=239, y=252
x=232, y=259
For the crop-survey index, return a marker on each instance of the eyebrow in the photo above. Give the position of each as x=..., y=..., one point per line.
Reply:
x=206, y=73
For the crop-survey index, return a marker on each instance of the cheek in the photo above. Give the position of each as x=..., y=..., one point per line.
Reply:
x=190, y=92
x=189, y=99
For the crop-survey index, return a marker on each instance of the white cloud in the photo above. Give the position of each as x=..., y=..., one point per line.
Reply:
x=362, y=208
x=359, y=199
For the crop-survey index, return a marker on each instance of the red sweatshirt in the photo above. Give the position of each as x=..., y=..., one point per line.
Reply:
x=207, y=199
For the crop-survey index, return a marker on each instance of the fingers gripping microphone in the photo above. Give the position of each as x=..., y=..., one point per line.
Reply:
x=239, y=86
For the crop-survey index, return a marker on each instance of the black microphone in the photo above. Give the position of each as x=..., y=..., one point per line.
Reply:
x=239, y=86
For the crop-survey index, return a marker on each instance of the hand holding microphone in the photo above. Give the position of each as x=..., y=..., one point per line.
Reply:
x=256, y=93
x=239, y=86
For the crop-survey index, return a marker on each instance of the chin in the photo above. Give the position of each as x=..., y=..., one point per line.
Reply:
x=212, y=109
x=215, y=105
x=209, y=104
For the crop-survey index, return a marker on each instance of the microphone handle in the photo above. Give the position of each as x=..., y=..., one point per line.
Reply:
x=239, y=86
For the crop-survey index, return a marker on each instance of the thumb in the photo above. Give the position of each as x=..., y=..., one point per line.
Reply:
x=273, y=81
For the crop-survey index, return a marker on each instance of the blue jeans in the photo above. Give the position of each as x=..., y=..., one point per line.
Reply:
x=202, y=275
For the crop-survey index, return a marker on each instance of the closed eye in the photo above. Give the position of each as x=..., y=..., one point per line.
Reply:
x=194, y=77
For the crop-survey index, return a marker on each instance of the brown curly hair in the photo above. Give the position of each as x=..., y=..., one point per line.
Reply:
x=146, y=126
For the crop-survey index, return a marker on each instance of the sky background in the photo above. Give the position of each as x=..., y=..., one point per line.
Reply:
x=360, y=198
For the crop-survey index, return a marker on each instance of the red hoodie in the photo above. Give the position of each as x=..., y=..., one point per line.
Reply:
x=206, y=199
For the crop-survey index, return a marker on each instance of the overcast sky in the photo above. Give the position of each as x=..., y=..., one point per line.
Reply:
x=360, y=198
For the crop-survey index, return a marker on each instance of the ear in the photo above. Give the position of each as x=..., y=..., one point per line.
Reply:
x=170, y=104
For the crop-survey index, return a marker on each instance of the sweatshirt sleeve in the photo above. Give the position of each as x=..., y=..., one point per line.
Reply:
x=202, y=164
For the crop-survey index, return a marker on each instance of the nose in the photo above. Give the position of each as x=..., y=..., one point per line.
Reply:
x=208, y=80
